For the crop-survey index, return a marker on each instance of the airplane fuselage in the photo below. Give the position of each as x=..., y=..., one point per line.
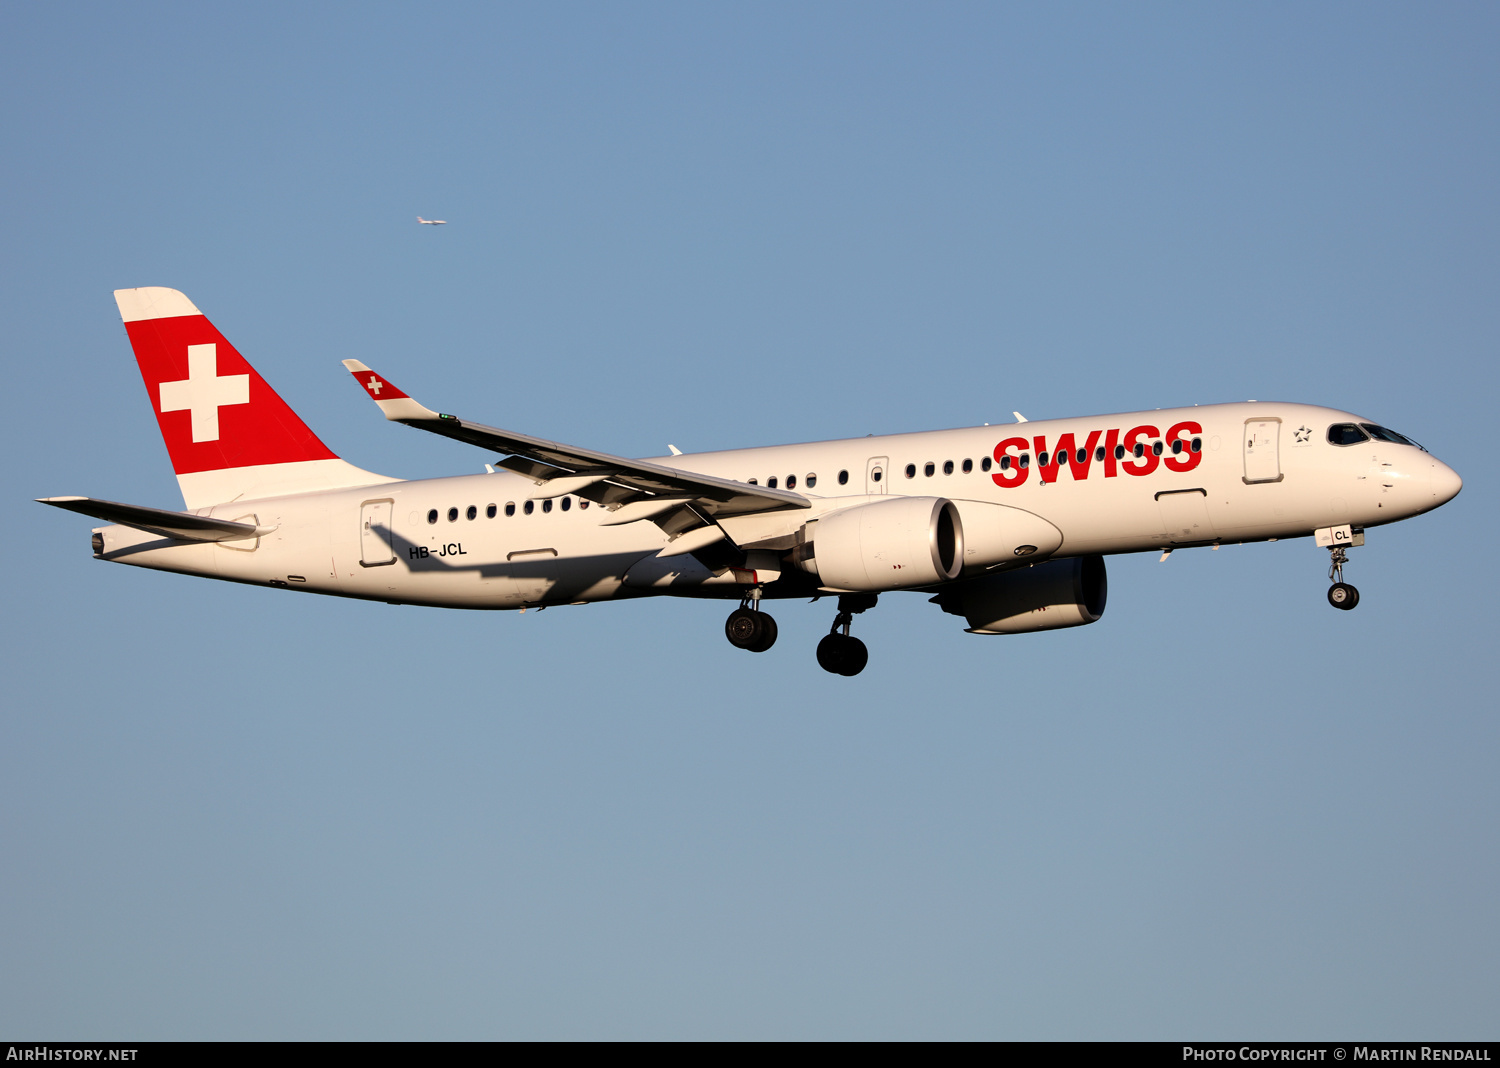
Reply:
x=1131, y=482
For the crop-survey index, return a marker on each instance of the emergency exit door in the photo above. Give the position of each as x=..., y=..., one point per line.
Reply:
x=1262, y=450
x=877, y=471
x=375, y=534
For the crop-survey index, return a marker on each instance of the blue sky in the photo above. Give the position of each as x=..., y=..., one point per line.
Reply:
x=1225, y=810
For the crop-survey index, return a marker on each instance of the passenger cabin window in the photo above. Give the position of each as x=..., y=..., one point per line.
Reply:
x=771, y=482
x=453, y=515
x=843, y=478
x=432, y=516
x=968, y=466
x=547, y=505
x=812, y=480
x=1041, y=458
x=529, y=507
x=582, y=505
x=472, y=513
x=1099, y=454
x=567, y=502
x=1177, y=447
x=510, y=508
x=753, y=481
x=984, y=464
x=911, y=470
x=1197, y=444
x=928, y=468
x=947, y=467
x=1156, y=448
x=876, y=474
x=489, y=512
x=1005, y=463
x=791, y=482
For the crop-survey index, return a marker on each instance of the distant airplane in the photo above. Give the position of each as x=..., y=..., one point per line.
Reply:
x=1007, y=526
x=432, y=222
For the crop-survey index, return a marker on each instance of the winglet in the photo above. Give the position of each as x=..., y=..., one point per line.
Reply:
x=397, y=406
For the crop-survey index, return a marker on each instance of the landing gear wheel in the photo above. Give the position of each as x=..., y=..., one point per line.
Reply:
x=856, y=656
x=767, y=637
x=839, y=652
x=741, y=628
x=745, y=629
x=830, y=653
x=842, y=655
x=1342, y=595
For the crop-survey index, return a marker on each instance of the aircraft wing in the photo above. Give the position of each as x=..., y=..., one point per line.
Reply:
x=181, y=526
x=675, y=499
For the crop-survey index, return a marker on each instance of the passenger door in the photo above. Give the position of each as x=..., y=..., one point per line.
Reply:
x=1262, y=455
x=375, y=534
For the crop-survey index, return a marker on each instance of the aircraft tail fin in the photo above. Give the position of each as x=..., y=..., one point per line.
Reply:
x=228, y=433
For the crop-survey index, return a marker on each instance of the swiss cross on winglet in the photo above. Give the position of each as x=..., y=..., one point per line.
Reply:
x=375, y=386
x=396, y=405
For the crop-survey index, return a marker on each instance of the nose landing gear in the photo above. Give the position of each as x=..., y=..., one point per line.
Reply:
x=748, y=627
x=1340, y=594
x=839, y=652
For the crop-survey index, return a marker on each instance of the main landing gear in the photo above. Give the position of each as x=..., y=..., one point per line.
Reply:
x=748, y=627
x=1340, y=594
x=839, y=652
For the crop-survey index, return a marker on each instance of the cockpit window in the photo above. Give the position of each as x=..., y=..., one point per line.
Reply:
x=1345, y=434
x=1380, y=433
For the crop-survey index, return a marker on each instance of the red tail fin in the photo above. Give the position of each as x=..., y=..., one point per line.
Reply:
x=216, y=413
x=213, y=409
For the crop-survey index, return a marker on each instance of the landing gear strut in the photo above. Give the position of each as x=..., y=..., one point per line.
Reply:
x=838, y=652
x=1340, y=594
x=748, y=627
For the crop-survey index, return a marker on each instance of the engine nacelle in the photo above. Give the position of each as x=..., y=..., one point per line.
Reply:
x=1045, y=596
x=893, y=544
x=999, y=536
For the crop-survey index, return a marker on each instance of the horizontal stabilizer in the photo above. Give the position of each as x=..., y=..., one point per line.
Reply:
x=180, y=526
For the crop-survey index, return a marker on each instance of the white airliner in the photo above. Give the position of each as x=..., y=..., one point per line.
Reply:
x=432, y=222
x=1006, y=526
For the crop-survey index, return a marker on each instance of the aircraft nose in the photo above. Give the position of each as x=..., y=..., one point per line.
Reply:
x=1444, y=483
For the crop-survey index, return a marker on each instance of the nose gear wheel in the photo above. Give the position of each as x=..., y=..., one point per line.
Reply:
x=1340, y=594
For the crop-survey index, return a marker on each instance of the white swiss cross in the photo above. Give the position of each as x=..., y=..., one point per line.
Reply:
x=203, y=392
x=373, y=385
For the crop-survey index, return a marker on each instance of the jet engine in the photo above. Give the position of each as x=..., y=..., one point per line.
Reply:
x=1044, y=596
x=886, y=545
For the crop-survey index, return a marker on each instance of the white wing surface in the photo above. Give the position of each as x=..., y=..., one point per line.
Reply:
x=676, y=500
